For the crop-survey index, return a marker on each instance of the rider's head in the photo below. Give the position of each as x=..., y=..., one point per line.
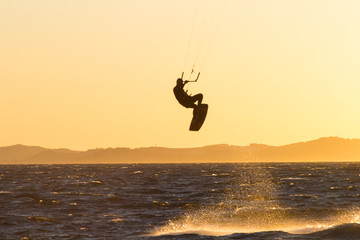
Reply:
x=179, y=81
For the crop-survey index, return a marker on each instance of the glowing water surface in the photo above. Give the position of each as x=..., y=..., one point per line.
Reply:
x=252, y=205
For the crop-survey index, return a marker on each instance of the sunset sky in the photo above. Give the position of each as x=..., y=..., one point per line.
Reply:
x=83, y=74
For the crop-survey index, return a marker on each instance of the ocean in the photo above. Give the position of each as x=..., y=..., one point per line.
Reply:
x=180, y=201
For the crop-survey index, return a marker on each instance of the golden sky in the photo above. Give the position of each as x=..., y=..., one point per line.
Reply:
x=84, y=74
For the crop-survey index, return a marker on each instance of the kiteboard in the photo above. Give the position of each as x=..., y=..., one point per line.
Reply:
x=199, y=115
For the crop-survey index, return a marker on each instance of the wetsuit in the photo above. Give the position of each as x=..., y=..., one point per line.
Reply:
x=186, y=100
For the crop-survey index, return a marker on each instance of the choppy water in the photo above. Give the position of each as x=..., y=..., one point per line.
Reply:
x=181, y=201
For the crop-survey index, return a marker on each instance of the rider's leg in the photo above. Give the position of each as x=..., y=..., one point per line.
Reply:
x=198, y=98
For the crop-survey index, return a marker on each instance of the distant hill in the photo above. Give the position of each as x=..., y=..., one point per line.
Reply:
x=323, y=149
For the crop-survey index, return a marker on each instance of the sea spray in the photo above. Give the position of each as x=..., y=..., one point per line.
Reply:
x=250, y=203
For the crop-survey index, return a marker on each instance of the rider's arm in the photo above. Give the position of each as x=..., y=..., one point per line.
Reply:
x=185, y=82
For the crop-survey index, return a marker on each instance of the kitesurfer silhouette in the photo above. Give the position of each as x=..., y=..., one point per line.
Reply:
x=188, y=101
x=183, y=98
